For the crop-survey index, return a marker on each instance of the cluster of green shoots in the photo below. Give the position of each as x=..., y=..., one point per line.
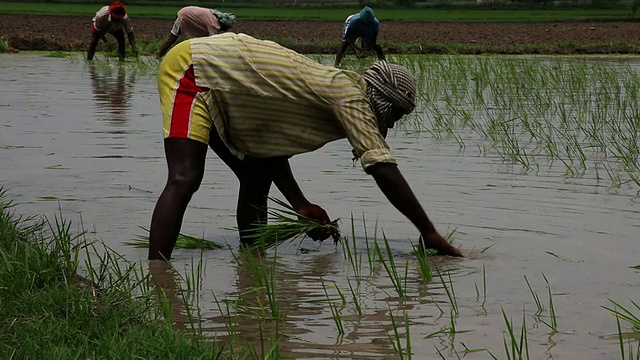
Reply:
x=581, y=115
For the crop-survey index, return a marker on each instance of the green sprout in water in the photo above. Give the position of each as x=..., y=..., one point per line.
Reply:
x=287, y=224
x=183, y=242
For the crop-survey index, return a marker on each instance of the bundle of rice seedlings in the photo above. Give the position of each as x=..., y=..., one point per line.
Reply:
x=284, y=223
x=183, y=242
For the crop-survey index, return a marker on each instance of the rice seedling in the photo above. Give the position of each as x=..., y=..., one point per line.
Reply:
x=451, y=330
x=355, y=298
x=404, y=352
x=335, y=312
x=351, y=252
x=370, y=251
x=515, y=348
x=274, y=350
x=287, y=224
x=625, y=314
x=183, y=242
x=423, y=263
x=468, y=350
x=484, y=287
x=579, y=113
x=451, y=295
x=267, y=273
x=552, y=311
x=4, y=45
x=536, y=298
x=621, y=341
x=390, y=267
x=60, y=54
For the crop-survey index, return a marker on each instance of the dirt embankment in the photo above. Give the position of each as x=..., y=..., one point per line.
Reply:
x=43, y=32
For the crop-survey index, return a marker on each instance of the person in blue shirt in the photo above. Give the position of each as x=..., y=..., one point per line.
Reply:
x=363, y=26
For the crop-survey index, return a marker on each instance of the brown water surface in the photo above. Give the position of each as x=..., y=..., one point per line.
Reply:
x=85, y=140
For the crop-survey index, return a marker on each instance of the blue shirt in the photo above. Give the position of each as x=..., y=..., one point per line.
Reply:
x=355, y=28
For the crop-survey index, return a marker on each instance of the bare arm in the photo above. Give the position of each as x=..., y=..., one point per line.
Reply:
x=376, y=47
x=282, y=177
x=397, y=190
x=167, y=44
x=132, y=41
x=352, y=45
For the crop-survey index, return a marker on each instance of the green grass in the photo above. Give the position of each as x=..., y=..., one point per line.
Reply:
x=626, y=314
x=48, y=312
x=335, y=14
x=4, y=45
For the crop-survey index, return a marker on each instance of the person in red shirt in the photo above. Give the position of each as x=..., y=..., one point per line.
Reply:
x=111, y=19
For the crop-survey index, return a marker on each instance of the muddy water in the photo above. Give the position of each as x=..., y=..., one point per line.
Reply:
x=85, y=141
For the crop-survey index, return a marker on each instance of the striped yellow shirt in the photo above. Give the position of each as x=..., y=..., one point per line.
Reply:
x=267, y=100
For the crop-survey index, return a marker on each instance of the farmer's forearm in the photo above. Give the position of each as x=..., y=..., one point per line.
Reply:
x=132, y=40
x=282, y=177
x=167, y=44
x=397, y=190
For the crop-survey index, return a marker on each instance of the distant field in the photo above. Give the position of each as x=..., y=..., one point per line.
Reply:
x=338, y=14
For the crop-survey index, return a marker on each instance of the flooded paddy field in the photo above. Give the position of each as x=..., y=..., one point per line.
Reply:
x=530, y=163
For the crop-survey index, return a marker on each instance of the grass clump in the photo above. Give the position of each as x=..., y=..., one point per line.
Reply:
x=626, y=314
x=183, y=242
x=49, y=312
x=4, y=45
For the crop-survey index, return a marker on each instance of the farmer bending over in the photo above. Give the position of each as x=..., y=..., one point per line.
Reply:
x=363, y=26
x=256, y=104
x=111, y=19
x=194, y=21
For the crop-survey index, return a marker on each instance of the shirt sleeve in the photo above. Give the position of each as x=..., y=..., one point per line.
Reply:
x=175, y=30
x=102, y=16
x=361, y=129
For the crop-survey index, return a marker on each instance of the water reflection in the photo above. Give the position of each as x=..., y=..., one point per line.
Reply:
x=112, y=92
x=56, y=144
x=168, y=291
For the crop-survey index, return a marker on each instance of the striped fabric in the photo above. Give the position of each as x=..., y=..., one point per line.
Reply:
x=390, y=85
x=267, y=100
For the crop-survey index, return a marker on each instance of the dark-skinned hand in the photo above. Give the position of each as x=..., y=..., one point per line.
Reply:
x=316, y=212
x=437, y=242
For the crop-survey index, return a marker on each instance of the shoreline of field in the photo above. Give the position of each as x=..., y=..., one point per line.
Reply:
x=44, y=33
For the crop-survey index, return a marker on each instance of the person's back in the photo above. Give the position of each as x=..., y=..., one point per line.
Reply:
x=105, y=20
x=255, y=81
x=363, y=27
x=195, y=21
x=357, y=28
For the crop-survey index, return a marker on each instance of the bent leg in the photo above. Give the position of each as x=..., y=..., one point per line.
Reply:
x=255, y=183
x=379, y=52
x=95, y=38
x=251, y=211
x=185, y=159
x=341, y=50
x=119, y=35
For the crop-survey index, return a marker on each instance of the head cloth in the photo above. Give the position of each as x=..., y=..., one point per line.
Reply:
x=117, y=10
x=390, y=85
x=367, y=15
x=226, y=19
